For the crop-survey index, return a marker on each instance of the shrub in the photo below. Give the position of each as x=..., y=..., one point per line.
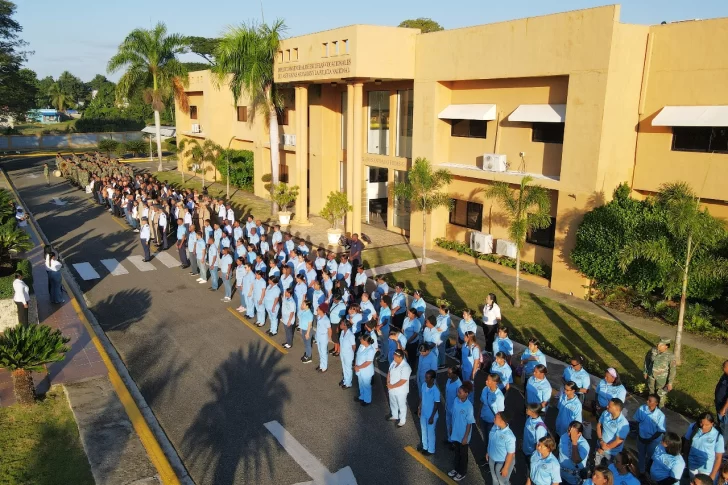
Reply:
x=284, y=195
x=96, y=125
x=337, y=205
x=241, y=167
x=108, y=145
x=135, y=147
x=6, y=282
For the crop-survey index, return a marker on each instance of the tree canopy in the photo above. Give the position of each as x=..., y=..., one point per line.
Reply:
x=204, y=47
x=423, y=23
x=18, y=87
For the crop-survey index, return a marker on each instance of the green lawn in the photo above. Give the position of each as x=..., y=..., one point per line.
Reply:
x=566, y=331
x=38, y=128
x=39, y=445
x=388, y=255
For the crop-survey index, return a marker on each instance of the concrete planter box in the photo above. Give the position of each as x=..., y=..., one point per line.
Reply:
x=497, y=267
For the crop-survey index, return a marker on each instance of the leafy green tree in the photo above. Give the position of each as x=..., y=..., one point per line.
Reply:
x=108, y=145
x=98, y=81
x=690, y=231
x=6, y=206
x=196, y=66
x=28, y=348
x=424, y=24
x=18, y=86
x=527, y=208
x=42, y=100
x=149, y=58
x=241, y=167
x=13, y=240
x=73, y=87
x=204, y=47
x=202, y=154
x=246, y=54
x=60, y=99
x=135, y=147
x=424, y=192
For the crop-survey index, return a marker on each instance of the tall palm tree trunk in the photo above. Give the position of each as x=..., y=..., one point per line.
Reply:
x=157, y=124
x=517, y=302
x=274, y=145
x=23, y=386
x=423, y=266
x=683, y=301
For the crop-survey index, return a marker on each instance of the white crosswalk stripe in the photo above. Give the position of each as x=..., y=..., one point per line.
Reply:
x=138, y=261
x=114, y=267
x=167, y=259
x=86, y=271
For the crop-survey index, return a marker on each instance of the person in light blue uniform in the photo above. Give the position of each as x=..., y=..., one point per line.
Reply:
x=411, y=329
x=252, y=255
x=399, y=306
x=444, y=322
x=667, y=462
x=355, y=318
x=463, y=421
x=569, y=408
x=501, y=449
x=248, y=284
x=347, y=346
x=573, y=453
x=311, y=277
x=533, y=430
x=286, y=280
x=302, y=248
x=192, y=251
x=288, y=316
x=576, y=373
x=381, y=290
x=201, y=255
x=299, y=292
x=320, y=262
x=467, y=324
x=364, y=368
x=600, y=476
x=427, y=361
x=305, y=325
x=397, y=341
x=259, y=286
x=651, y=425
x=470, y=357
x=182, y=243
x=259, y=264
x=367, y=308
x=208, y=230
x=276, y=237
x=428, y=412
x=383, y=326
x=612, y=431
x=317, y=296
x=217, y=235
x=430, y=335
x=272, y=304
x=240, y=250
x=608, y=388
x=254, y=238
x=706, y=446
x=327, y=287
x=226, y=273
x=502, y=342
x=452, y=385
x=273, y=270
x=493, y=402
x=544, y=468
x=417, y=302
x=212, y=256
x=538, y=388
x=532, y=357
x=264, y=246
x=624, y=468
x=288, y=244
x=239, y=278
x=504, y=371
x=323, y=335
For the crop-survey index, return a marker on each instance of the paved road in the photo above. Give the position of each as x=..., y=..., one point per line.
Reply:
x=211, y=381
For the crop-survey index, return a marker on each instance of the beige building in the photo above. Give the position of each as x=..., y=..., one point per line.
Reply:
x=577, y=100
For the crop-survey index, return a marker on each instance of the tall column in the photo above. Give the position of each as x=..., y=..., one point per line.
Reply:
x=356, y=166
x=350, y=154
x=301, y=217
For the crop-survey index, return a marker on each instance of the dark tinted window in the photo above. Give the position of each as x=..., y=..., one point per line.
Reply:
x=543, y=237
x=548, y=132
x=467, y=214
x=469, y=128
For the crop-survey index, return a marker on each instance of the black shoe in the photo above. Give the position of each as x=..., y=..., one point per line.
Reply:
x=272, y=334
x=426, y=453
x=318, y=367
x=341, y=383
x=345, y=387
x=146, y=260
x=420, y=448
x=356, y=399
x=331, y=351
x=307, y=360
x=364, y=403
x=388, y=417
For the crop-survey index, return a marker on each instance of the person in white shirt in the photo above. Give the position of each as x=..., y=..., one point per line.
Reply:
x=229, y=214
x=20, y=217
x=53, y=269
x=21, y=297
x=144, y=236
x=398, y=387
x=491, y=320
x=163, y=231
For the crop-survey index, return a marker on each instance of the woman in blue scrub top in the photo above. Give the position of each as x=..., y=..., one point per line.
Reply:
x=706, y=446
x=500, y=366
x=443, y=326
x=601, y=476
x=398, y=341
x=573, y=453
x=608, y=388
x=305, y=325
x=364, y=368
x=347, y=343
x=545, y=468
x=667, y=462
x=451, y=393
x=323, y=335
x=383, y=327
x=299, y=291
x=470, y=361
x=531, y=357
x=575, y=372
x=467, y=324
x=428, y=413
x=533, y=430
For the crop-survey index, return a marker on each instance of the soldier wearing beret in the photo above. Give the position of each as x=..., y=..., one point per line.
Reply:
x=660, y=369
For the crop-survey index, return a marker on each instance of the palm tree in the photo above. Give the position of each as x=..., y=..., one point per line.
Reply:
x=204, y=154
x=246, y=55
x=150, y=60
x=7, y=209
x=526, y=209
x=13, y=239
x=423, y=192
x=27, y=348
x=60, y=99
x=692, y=231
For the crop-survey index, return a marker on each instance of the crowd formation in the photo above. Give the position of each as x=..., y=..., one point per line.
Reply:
x=326, y=297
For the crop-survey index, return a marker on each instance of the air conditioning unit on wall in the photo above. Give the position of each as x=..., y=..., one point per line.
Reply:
x=288, y=140
x=481, y=242
x=494, y=162
x=504, y=247
x=196, y=128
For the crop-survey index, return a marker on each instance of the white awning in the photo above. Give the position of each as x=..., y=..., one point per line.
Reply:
x=539, y=113
x=468, y=112
x=165, y=131
x=692, y=116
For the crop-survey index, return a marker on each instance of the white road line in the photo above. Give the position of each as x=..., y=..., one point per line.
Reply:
x=114, y=267
x=310, y=464
x=167, y=259
x=86, y=271
x=138, y=261
x=58, y=201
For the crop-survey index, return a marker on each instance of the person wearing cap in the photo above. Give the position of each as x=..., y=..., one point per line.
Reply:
x=398, y=388
x=608, y=388
x=144, y=236
x=364, y=368
x=347, y=345
x=323, y=335
x=660, y=369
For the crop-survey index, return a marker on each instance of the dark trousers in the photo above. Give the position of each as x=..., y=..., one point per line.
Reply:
x=355, y=263
x=193, y=262
x=22, y=313
x=183, y=255
x=461, y=458
x=412, y=357
x=289, y=333
x=163, y=231
x=398, y=319
x=490, y=333
x=145, y=247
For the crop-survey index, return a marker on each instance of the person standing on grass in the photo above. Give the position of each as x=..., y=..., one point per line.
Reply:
x=21, y=297
x=491, y=319
x=501, y=454
x=463, y=419
x=660, y=370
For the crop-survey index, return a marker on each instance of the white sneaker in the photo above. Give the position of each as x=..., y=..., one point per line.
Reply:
x=136, y=230
x=243, y=310
x=202, y=282
x=226, y=299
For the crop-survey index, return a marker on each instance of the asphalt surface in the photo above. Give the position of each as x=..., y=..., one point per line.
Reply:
x=212, y=382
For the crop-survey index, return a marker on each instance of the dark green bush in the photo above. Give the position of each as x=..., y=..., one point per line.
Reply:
x=241, y=168
x=96, y=125
x=6, y=282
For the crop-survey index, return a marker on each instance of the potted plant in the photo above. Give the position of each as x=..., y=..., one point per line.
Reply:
x=337, y=205
x=284, y=196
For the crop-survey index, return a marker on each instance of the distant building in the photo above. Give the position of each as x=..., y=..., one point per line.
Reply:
x=45, y=116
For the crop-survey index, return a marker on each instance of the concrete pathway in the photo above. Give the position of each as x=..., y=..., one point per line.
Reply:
x=394, y=267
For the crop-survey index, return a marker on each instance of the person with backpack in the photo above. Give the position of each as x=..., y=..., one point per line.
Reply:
x=569, y=408
x=538, y=388
x=493, y=402
x=533, y=430
x=452, y=385
x=501, y=455
x=668, y=464
x=704, y=446
x=573, y=453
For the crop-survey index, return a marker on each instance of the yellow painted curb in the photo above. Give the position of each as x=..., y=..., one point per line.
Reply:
x=257, y=330
x=427, y=464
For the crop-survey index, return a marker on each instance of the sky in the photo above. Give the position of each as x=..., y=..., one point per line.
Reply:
x=80, y=36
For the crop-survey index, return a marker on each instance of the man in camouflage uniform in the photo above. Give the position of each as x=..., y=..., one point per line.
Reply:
x=660, y=369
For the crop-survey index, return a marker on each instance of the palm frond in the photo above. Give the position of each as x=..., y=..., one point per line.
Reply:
x=656, y=251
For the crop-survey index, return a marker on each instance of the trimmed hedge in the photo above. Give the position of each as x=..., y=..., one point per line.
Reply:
x=536, y=269
x=6, y=282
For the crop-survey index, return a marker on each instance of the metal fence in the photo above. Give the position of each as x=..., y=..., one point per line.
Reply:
x=56, y=142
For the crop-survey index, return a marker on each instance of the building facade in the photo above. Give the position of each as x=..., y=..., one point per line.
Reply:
x=577, y=100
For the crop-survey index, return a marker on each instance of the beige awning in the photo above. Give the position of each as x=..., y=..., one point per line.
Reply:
x=692, y=116
x=483, y=112
x=539, y=113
